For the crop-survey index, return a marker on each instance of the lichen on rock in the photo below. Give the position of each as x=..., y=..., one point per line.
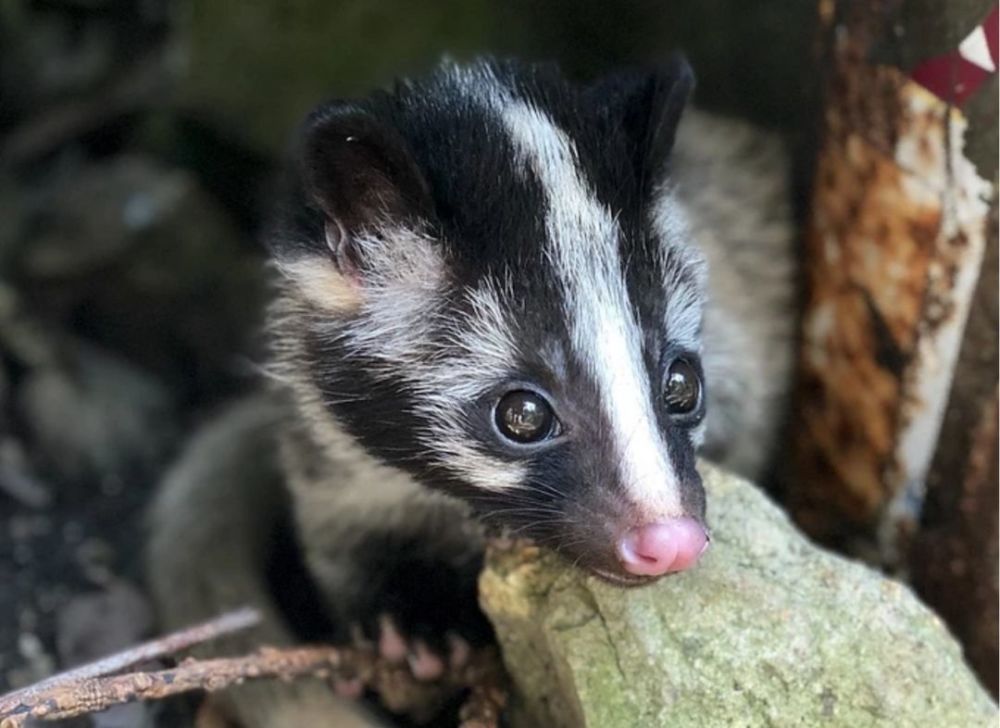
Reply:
x=769, y=630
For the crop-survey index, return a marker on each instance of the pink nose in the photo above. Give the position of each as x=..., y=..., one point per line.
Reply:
x=660, y=548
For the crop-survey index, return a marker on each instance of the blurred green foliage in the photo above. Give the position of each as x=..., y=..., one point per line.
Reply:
x=259, y=66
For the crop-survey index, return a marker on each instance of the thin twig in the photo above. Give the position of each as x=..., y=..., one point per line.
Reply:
x=397, y=687
x=93, y=694
x=92, y=687
x=151, y=650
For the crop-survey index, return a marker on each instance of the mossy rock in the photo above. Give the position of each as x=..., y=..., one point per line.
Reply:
x=768, y=630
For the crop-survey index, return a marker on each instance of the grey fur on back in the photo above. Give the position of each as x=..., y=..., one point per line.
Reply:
x=734, y=181
x=209, y=528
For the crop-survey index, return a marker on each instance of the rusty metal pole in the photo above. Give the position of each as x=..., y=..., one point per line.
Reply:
x=954, y=562
x=903, y=215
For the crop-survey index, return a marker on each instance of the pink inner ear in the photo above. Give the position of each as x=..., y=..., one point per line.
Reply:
x=336, y=237
x=338, y=242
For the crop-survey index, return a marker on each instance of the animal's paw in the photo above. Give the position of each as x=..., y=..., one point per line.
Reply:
x=419, y=608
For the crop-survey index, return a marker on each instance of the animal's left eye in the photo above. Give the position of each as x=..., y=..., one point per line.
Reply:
x=525, y=417
x=682, y=390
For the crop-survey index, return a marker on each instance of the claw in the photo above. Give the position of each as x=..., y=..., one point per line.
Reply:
x=424, y=664
x=391, y=644
x=459, y=651
x=351, y=688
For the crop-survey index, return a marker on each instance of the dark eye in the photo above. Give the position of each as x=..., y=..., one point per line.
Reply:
x=525, y=417
x=682, y=391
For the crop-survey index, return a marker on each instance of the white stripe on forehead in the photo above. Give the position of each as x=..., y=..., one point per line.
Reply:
x=583, y=239
x=685, y=270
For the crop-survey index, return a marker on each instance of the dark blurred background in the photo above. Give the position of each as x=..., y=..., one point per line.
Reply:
x=138, y=140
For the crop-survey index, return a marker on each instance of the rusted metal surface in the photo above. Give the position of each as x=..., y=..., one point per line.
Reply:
x=896, y=445
x=893, y=252
x=954, y=563
x=955, y=557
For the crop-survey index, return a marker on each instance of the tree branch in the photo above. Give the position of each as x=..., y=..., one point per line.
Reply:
x=92, y=688
x=170, y=644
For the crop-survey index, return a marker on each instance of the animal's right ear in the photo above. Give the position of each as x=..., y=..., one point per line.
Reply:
x=359, y=172
x=647, y=106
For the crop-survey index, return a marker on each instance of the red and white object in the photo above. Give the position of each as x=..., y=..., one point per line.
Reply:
x=954, y=77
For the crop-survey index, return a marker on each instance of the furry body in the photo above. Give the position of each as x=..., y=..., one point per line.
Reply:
x=491, y=229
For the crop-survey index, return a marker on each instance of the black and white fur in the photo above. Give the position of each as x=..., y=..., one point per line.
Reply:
x=490, y=227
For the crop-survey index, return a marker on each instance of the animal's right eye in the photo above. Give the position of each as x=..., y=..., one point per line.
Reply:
x=525, y=417
x=682, y=390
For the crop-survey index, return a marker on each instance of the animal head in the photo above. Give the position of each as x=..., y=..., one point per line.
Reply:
x=494, y=288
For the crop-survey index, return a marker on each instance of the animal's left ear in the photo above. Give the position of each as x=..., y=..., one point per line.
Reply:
x=362, y=208
x=358, y=169
x=647, y=106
